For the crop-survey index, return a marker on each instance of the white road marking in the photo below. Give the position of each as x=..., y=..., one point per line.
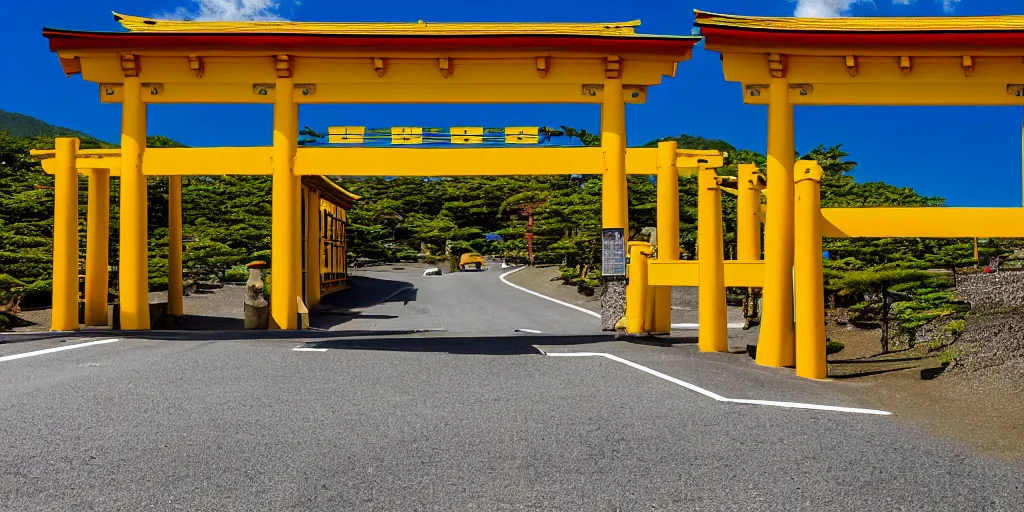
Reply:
x=715, y=396
x=55, y=349
x=531, y=331
x=545, y=297
x=680, y=327
x=396, y=292
x=305, y=349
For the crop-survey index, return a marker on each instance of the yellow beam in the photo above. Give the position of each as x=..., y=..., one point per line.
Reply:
x=372, y=93
x=209, y=161
x=738, y=274
x=879, y=80
x=407, y=72
x=923, y=222
x=385, y=161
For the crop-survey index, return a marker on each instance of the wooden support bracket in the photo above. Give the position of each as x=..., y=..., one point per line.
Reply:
x=543, y=64
x=968, y=64
x=777, y=65
x=613, y=68
x=195, y=63
x=447, y=66
x=130, y=65
x=283, y=64
x=851, y=65
x=905, y=65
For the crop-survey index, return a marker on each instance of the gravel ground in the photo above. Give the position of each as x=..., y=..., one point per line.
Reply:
x=991, y=351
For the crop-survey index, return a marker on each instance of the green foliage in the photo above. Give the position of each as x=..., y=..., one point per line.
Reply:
x=956, y=328
x=833, y=347
x=236, y=275
x=10, y=289
x=948, y=356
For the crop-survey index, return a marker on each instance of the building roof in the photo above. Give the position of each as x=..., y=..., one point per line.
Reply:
x=331, y=190
x=146, y=33
x=851, y=31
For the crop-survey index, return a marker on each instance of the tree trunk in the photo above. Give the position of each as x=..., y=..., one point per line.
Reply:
x=954, y=276
x=885, y=320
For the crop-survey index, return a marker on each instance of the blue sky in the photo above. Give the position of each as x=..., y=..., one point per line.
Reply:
x=930, y=149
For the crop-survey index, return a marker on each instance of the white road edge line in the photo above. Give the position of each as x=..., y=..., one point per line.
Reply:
x=56, y=349
x=715, y=396
x=545, y=297
x=680, y=327
x=531, y=331
x=306, y=349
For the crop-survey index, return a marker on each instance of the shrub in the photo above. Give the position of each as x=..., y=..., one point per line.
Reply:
x=832, y=347
x=10, y=288
x=948, y=356
x=5, y=323
x=158, y=284
x=37, y=294
x=236, y=275
x=956, y=328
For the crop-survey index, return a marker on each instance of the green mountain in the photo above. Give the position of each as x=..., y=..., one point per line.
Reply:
x=23, y=126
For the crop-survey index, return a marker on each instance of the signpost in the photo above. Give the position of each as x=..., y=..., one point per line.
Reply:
x=613, y=252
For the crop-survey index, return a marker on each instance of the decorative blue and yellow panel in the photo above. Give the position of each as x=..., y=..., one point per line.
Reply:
x=458, y=135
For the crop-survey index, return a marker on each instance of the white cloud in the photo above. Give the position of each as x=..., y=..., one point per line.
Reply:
x=229, y=10
x=836, y=8
x=823, y=8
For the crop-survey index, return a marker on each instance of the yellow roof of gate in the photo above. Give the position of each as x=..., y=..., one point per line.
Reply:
x=863, y=24
x=141, y=24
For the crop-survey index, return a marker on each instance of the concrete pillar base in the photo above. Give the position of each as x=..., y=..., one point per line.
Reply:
x=613, y=301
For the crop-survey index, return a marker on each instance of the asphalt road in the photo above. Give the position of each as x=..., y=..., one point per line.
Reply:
x=473, y=418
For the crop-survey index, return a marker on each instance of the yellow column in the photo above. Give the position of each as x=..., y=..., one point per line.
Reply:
x=668, y=230
x=65, y=237
x=97, y=248
x=312, y=248
x=175, y=292
x=712, y=335
x=614, y=203
x=637, y=293
x=297, y=237
x=748, y=224
x=775, y=346
x=284, y=288
x=810, y=288
x=133, y=268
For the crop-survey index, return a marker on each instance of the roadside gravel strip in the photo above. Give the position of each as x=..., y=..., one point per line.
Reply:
x=677, y=326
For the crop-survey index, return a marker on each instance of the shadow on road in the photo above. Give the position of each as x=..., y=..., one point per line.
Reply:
x=364, y=292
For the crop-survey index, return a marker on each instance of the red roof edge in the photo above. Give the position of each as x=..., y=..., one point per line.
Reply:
x=72, y=40
x=769, y=38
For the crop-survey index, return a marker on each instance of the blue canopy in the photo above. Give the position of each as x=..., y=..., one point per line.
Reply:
x=493, y=237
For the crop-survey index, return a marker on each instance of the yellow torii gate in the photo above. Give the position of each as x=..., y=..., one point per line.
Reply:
x=288, y=64
x=782, y=62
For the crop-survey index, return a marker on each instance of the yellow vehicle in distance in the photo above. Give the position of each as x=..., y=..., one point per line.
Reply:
x=472, y=260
